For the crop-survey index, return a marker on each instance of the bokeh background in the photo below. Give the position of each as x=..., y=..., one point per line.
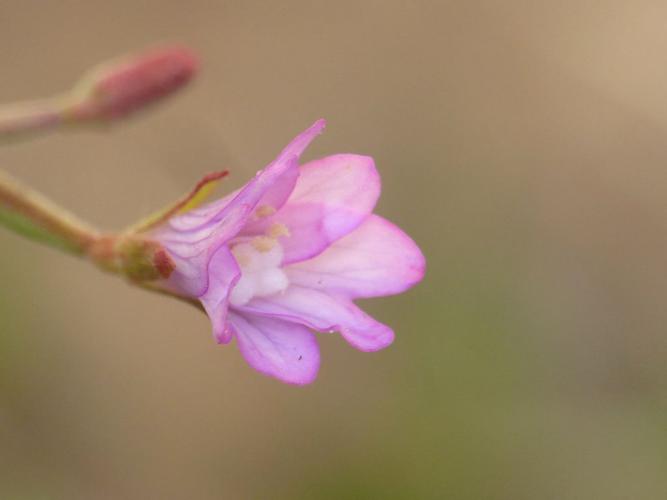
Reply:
x=522, y=145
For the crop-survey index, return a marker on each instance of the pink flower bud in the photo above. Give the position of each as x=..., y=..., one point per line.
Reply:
x=119, y=88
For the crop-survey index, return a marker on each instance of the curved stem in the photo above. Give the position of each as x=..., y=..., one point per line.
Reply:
x=24, y=209
x=29, y=213
x=24, y=119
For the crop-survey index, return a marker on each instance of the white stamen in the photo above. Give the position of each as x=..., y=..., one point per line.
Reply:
x=242, y=292
x=261, y=274
x=270, y=281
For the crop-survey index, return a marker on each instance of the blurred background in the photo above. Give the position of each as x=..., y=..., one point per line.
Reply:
x=521, y=144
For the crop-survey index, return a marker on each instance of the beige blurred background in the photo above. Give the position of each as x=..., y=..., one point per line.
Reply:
x=522, y=145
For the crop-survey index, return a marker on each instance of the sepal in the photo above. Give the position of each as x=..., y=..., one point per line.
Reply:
x=139, y=259
x=191, y=200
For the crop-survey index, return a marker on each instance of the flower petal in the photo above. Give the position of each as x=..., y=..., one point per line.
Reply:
x=223, y=273
x=326, y=313
x=191, y=238
x=332, y=197
x=272, y=185
x=192, y=249
x=286, y=351
x=376, y=259
x=277, y=197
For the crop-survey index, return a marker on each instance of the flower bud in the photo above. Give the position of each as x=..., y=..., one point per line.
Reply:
x=119, y=88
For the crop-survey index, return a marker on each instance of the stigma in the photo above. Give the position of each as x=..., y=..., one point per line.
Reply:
x=261, y=275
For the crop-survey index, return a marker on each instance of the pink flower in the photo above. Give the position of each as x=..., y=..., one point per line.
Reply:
x=123, y=86
x=288, y=254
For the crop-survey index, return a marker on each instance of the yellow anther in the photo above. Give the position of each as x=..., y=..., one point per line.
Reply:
x=277, y=230
x=265, y=211
x=242, y=259
x=263, y=243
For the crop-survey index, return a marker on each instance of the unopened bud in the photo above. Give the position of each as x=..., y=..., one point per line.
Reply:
x=119, y=88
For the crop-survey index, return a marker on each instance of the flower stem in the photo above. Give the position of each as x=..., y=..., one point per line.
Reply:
x=20, y=120
x=31, y=214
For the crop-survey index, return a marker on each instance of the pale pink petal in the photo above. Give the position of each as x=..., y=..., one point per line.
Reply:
x=271, y=186
x=276, y=198
x=191, y=249
x=280, y=349
x=234, y=212
x=301, y=142
x=191, y=238
x=343, y=179
x=376, y=259
x=326, y=313
x=223, y=273
x=332, y=197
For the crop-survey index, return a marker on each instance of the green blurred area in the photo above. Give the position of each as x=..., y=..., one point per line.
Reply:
x=520, y=144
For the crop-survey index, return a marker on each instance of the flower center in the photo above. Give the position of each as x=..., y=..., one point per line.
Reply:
x=261, y=275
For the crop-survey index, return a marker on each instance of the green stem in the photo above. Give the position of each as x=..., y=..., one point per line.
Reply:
x=21, y=120
x=31, y=214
